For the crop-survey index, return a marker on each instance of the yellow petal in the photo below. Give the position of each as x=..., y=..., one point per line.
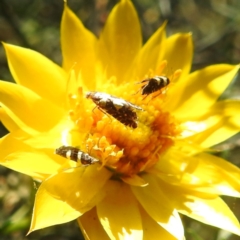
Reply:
x=115, y=210
x=26, y=108
x=222, y=175
x=55, y=137
x=227, y=124
x=200, y=91
x=152, y=230
x=120, y=40
x=202, y=206
x=19, y=156
x=11, y=143
x=91, y=226
x=214, y=212
x=82, y=186
x=32, y=164
x=179, y=52
x=36, y=72
x=8, y=123
x=201, y=172
x=78, y=47
x=49, y=211
x=150, y=52
x=135, y=180
x=159, y=207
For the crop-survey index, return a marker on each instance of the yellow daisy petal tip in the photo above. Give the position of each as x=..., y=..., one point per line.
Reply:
x=135, y=181
x=186, y=36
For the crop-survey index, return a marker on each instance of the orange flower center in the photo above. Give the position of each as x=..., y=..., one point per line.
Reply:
x=124, y=150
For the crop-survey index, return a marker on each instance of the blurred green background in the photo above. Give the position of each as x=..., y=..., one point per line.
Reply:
x=34, y=24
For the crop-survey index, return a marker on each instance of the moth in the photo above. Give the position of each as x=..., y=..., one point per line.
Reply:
x=151, y=85
x=76, y=155
x=118, y=108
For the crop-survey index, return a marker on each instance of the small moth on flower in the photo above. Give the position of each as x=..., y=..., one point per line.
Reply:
x=118, y=108
x=76, y=155
x=151, y=85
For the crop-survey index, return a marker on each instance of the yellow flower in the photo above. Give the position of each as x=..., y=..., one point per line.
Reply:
x=145, y=176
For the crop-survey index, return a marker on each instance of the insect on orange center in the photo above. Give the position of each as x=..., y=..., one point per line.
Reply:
x=127, y=135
